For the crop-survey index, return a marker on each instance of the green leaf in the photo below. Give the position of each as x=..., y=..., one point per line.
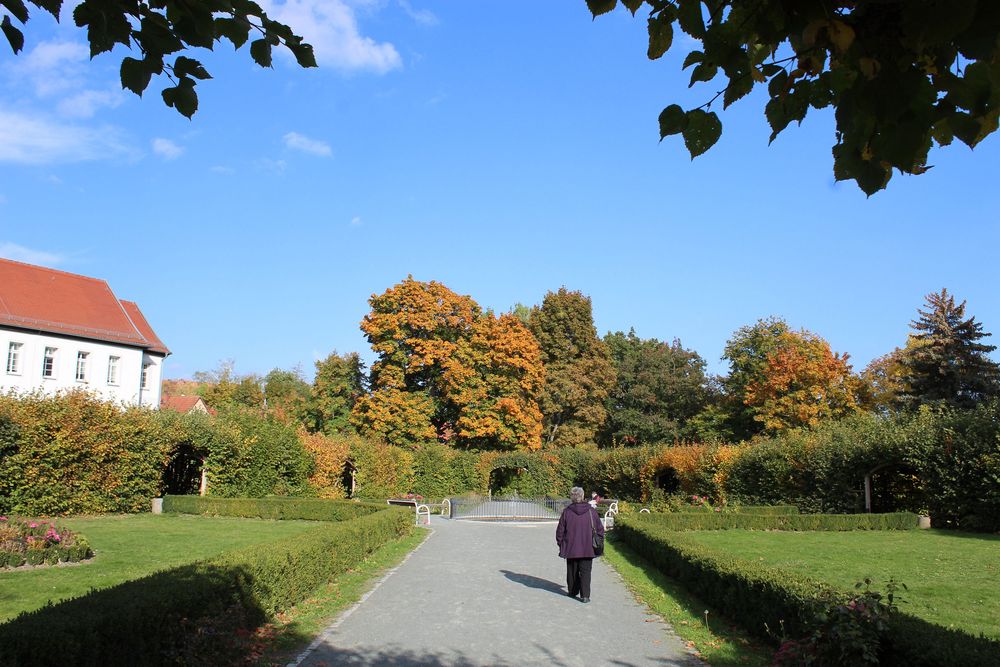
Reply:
x=690, y=18
x=185, y=66
x=738, y=87
x=598, y=7
x=692, y=58
x=182, y=97
x=260, y=51
x=14, y=36
x=778, y=84
x=942, y=133
x=703, y=72
x=51, y=6
x=673, y=120
x=236, y=31
x=632, y=5
x=702, y=131
x=17, y=9
x=965, y=128
x=661, y=35
x=870, y=176
x=304, y=55
x=770, y=70
x=135, y=75
x=104, y=28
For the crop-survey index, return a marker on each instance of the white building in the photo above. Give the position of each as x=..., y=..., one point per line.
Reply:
x=61, y=331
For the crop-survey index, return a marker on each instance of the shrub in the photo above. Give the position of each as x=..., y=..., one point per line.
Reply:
x=764, y=600
x=309, y=509
x=76, y=454
x=161, y=619
x=743, y=520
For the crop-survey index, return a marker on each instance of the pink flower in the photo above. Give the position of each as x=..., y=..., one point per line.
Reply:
x=32, y=525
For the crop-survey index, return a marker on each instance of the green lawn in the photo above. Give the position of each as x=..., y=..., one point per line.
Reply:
x=129, y=547
x=953, y=579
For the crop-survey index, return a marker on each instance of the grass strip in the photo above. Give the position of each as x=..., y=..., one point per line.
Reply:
x=719, y=642
x=282, y=640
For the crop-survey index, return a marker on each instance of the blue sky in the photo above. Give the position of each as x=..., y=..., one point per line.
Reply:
x=503, y=148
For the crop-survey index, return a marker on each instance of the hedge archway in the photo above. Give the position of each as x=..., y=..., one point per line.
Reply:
x=529, y=474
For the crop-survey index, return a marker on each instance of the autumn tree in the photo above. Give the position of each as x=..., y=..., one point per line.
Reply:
x=949, y=364
x=883, y=381
x=338, y=384
x=578, y=371
x=900, y=75
x=660, y=387
x=496, y=385
x=446, y=371
x=156, y=30
x=747, y=352
x=804, y=383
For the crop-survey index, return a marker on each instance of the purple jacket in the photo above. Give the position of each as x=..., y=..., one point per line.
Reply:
x=573, y=534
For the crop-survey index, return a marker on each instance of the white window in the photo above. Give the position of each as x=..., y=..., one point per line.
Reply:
x=81, y=366
x=145, y=376
x=14, y=359
x=113, y=369
x=49, y=363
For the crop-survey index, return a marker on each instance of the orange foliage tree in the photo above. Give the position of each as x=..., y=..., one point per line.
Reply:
x=803, y=383
x=447, y=371
x=331, y=454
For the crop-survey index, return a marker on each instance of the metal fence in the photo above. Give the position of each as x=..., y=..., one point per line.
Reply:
x=507, y=508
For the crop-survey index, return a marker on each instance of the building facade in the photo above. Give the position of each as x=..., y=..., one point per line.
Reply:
x=61, y=331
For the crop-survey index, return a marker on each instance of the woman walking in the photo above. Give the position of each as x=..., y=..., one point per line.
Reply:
x=574, y=535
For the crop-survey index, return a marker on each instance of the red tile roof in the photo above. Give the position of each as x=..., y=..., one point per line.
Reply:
x=41, y=299
x=179, y=403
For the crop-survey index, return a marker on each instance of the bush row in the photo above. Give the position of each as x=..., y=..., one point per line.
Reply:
x=195, y=614
x=832, y=522
x=767, y=601
x=309, y=509
x=25, y=542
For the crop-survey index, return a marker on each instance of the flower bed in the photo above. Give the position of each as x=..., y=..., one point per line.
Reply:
x=35, y=542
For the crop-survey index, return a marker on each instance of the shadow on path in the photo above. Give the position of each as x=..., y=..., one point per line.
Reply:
x=534, y=582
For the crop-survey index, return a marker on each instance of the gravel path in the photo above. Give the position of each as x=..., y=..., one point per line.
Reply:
x=493, y=594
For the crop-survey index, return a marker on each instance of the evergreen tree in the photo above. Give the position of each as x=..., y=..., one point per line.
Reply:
x=578, y=370
x=949, y=365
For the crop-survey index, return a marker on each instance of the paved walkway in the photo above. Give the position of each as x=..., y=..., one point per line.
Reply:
x=478, y=594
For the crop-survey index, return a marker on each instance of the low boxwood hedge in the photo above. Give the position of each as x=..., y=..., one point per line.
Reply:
x=767, y=601
x=725, y=521
x=309, y=509
x=194, y=614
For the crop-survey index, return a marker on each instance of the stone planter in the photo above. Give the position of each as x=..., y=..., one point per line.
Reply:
x=923, y=521
x=157, y=506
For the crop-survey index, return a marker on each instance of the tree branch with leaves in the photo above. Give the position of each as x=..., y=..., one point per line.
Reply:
x=901, y=75
x=156, y=29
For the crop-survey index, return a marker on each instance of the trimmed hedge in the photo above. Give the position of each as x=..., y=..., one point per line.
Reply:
x=309, y=509
x=762, y=598
x=194, y=614
x=726, y=521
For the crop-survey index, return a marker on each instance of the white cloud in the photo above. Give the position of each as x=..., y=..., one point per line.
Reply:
x=303, y=143
x=273, y=166
x=166, y=149
x=332, y=29
x=36, y=140
x=422, y=16
x=220, y=169
x=356, y=221
x=19, y=253
x=86, y=103
x=52, y=68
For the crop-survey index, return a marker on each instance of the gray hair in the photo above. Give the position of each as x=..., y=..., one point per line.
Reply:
x=576, y=494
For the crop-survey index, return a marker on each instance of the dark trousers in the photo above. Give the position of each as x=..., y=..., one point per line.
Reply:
x=578, y=576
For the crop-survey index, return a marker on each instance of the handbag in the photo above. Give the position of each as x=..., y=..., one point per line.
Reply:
x=598, y=538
